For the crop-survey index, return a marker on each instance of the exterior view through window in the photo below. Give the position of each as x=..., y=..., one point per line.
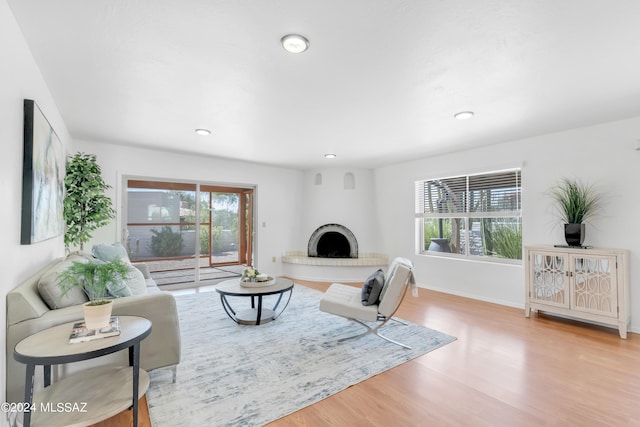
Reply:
x=476, y=216
x=189, y=232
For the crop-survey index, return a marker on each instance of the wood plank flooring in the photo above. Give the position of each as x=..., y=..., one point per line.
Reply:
x=503, y=370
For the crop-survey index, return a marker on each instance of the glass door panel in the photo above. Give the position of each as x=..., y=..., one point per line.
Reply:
x=161, y=227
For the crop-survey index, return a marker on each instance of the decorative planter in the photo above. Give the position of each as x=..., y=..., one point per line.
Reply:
x=574, y=234
x=439, y=245
x=97, y=316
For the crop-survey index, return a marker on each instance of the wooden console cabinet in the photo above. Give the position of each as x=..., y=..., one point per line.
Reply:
x=587, y=284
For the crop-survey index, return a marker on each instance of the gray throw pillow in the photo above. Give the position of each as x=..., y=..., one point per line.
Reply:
x=49, y=288
x=118, y=289
x=372, y=287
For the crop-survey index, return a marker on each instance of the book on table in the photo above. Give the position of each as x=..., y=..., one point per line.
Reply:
x=80, y=333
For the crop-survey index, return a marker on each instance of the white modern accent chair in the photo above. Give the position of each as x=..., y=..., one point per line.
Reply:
x=345, y=301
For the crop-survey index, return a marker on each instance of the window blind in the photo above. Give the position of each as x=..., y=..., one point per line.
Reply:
x=498, y=191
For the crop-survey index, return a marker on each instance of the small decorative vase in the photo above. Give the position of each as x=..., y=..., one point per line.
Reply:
x=97, y=316
x=574, y=234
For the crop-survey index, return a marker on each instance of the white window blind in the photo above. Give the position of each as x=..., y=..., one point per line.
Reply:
x=493, y=192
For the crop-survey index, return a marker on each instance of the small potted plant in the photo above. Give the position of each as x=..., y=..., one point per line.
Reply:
x=96, y=279
x=577, y=203
x=250, y=274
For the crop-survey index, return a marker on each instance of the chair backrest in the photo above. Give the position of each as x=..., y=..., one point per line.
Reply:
x=395, y=287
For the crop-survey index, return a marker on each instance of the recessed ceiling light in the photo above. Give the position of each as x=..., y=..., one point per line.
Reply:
x=294, y=43
x=203, y=132
x=463, y=115
x=330, y=156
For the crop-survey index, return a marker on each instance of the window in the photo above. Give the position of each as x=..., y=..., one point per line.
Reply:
x=477, y=216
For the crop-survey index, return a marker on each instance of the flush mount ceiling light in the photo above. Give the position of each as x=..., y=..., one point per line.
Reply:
x=294, y=43
x=203, y=132
x=463, y=115
x=329, y=156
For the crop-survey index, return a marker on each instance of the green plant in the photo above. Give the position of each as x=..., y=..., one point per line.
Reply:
x=94, y=277
x=204, y=240
x=216, y=242
x=166, y=243
x=507, y=242
x=86, y=207
x=432, y=229
x=577, y=202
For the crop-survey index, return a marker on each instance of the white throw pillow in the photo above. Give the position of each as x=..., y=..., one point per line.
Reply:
x=135, y=281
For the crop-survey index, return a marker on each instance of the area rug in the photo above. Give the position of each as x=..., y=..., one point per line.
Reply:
x=239, y=375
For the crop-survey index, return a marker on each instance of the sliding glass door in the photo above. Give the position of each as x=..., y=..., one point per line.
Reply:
x=175, y=226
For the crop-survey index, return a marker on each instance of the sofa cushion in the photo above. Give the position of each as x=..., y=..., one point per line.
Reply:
x=50, y=291
x=372, y=287
x=108, y=253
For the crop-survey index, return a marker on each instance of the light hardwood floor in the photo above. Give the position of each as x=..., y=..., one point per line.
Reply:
x=503, y=370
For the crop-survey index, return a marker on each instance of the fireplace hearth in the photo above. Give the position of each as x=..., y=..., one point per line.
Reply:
x=332, y=241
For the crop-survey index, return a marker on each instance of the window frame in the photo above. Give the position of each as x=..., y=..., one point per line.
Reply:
x=425, y=210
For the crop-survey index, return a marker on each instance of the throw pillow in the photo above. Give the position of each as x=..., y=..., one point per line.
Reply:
x=108, y=253
x=135, y=281
x=372, y=287
x=118, y=289
x=50, y=291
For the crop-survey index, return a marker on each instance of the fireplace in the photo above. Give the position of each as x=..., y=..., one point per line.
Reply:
x=332, y=241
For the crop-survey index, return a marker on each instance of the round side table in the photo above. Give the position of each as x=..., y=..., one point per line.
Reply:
x=257, y=314
x=88, y=396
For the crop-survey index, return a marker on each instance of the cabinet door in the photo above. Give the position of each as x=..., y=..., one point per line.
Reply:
x=549, y=278
x=594, y=285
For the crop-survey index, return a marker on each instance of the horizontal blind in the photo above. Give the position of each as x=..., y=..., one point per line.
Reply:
x=489, y=192
x=447, y=195
x=495, y=192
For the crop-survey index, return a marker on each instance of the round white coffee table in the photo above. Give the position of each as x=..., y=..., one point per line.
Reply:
x=257, y=314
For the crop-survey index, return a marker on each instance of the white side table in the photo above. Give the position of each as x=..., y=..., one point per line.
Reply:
x=89, y=396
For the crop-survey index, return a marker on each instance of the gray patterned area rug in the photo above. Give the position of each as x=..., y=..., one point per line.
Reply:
x=239, y=375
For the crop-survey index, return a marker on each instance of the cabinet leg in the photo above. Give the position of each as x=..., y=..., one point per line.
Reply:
x=623, y=331
x=527, y=311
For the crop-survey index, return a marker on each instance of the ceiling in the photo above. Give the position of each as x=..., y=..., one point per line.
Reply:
x=379, y=84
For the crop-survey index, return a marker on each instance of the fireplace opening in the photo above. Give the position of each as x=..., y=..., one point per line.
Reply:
x=333, y=245
x=333, y=241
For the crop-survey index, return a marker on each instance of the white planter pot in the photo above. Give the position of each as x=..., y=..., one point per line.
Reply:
x=97, y=316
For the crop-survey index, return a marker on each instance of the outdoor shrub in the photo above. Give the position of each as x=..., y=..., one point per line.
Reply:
x=166, y=242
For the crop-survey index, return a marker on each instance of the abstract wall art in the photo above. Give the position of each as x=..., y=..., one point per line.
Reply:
x=42, y=178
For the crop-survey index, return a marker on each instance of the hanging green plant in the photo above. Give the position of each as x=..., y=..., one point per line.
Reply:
x=86, y=207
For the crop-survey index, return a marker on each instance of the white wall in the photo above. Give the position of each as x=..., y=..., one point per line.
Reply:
x=20, y=78
x=278, y=193
x=603, y=154
x=331, y=203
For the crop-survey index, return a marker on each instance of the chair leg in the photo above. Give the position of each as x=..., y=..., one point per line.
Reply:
x=400, y=321
x=374, y=331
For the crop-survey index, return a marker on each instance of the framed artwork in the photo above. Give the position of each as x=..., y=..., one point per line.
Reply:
x=42, y=178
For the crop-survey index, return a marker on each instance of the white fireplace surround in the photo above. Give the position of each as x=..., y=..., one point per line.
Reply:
x=335, y=228
x=365, y=259
x=297, y=264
